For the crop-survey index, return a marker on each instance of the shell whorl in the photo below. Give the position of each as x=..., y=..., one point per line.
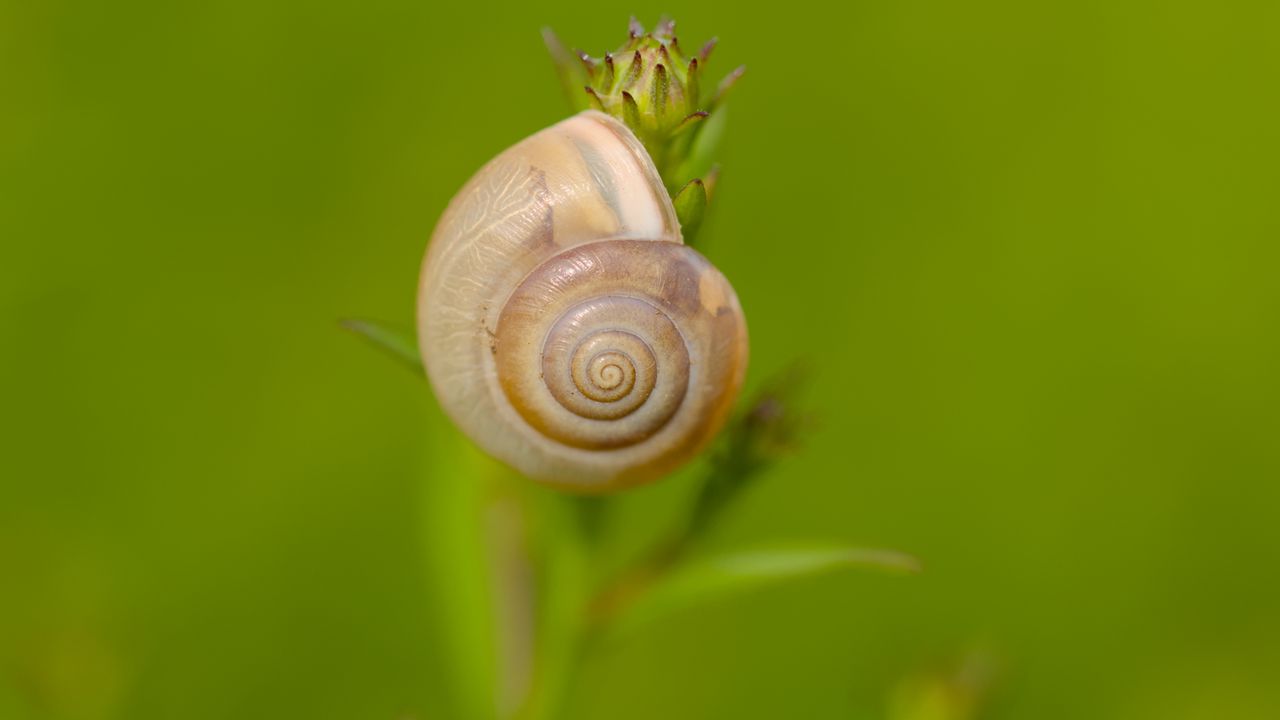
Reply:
x=564, y=325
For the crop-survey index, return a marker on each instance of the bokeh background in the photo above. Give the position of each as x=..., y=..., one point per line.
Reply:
x=1030, y=250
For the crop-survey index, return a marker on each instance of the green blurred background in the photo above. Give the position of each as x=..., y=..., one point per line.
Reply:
x=1030, y=249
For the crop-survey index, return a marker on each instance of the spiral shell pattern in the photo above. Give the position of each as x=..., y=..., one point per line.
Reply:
x=591, y=351
x=565, y=327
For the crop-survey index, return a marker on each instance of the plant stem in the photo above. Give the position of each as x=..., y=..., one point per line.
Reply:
x=564, y=588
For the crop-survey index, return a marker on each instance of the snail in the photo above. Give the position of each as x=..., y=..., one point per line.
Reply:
x=565, y=326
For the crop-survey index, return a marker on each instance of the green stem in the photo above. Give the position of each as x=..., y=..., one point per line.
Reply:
x=617, y=595
x=562, y=601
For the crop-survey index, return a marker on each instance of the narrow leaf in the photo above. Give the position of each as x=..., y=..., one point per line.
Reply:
x=634, y=71
x=706, y=145
x=609, y=73
x=727, y=84
x=710, y=180
x=690, y=122
x=707, y=48
x=692, y=86
x=664, y=55
x=691, y=208
x=658, y=91
x=596, y=102
x=568, y=69
x=631, y=112
x=393, y=342
x=588, y=63
x=675, y=46
x=715, y=578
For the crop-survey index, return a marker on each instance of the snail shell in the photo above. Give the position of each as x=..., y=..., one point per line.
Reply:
x=564, y=325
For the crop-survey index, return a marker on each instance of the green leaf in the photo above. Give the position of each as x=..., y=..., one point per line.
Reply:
x=700, y=581
x=727, y=84
x=457, y=500
x=568, y=69
x=691, y=209
x=706, y=145
x=393, y=342
x=692, y=121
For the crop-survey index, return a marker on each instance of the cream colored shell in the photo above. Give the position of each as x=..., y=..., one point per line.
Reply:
x=565, y=326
